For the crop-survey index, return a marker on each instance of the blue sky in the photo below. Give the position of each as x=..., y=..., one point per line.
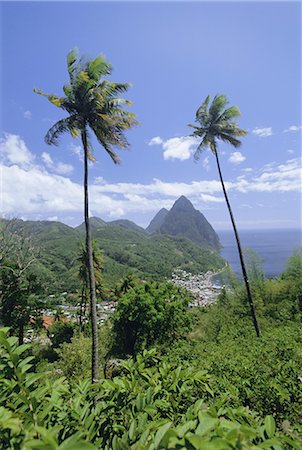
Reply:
x=174, y=54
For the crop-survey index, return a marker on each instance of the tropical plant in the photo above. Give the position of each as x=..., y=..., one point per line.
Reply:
x=149, y=314
x=20, y=284
x=93, y=103
x=216, y=123
x=151, y=406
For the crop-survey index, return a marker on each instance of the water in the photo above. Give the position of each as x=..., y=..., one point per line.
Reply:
x=273, y=246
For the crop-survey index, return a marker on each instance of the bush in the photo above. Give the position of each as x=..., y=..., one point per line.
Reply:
x=149, y=314
x=60, y=332
x=153, y=405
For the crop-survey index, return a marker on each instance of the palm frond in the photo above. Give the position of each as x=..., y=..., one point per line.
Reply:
x=104, y=140
x=89, y=147
x=98, y=67
x=202, y=113
x=217, y=106
x=70, y=124
x=230, y=113
x=72, y=66
x=230, y=139
x=54, y=99
x=204, y=143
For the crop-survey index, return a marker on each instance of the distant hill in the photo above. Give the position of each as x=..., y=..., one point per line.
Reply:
x=157, y=221
x=127, y=224
x=95, y=223
x=151, y=257
x=186, y=221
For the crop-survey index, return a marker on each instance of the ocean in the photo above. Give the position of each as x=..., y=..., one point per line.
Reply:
x=274, y=247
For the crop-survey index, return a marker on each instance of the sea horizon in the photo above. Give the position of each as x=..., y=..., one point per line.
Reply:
x=272, y=246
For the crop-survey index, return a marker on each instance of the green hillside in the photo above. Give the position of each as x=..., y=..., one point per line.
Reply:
x=149, y=257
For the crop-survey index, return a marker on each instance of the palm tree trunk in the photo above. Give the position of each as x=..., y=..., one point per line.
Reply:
x=244, y=273
x=94, y=325
x=81, y=310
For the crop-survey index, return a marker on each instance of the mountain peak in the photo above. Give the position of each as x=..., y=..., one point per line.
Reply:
x=184, y=220
x=157, y=221
x=183, y=203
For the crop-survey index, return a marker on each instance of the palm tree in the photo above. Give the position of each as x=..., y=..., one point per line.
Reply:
x=215, y=123
x=92, y=103
x=98, y=265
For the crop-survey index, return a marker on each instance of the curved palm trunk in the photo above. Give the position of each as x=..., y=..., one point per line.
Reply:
x=95, y=350
x=244, y=273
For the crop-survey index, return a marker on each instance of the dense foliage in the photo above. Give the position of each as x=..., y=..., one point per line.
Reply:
x=149, y=257
x=149, y=314
x=151, y=405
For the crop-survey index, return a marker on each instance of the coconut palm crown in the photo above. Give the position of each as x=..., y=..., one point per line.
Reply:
x=92, y=103
x=214, y=124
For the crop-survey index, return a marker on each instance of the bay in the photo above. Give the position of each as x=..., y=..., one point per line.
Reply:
x=274, y=247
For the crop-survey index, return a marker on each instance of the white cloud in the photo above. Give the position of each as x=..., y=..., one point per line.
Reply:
x=77, y=150
x=52, y=218
x=263, y=132
x=211, y=198
x=99, y=180
x=293, y=128
x=63, y=169
x=13, y=150
x=47, y=159
x=236, y=158
x=157, y=140
x=247, y=169
x=29, y=189
x=116, y=213
x=58, y=167
x=27, y=115
x=179, y=147
x=206, y=163
x=290, y=151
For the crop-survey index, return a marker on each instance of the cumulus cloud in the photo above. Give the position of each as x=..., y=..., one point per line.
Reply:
x=77, y=150
x=27, y=115
x=293, y=128
x=211, y=198
x=47, y=159
x=29, y=189
x=263, y=132
x=13, y=150
x=58, y=167
x=157, y=140
x=236, y=158
x=180, y=148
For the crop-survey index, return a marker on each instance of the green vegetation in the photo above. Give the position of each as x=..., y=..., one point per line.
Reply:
x=217, y=386
x=149, y=314
x=148, y=257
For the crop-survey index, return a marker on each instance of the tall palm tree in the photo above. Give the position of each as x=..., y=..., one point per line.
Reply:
x=83, y=275
x=92, y=103
x=215, y=122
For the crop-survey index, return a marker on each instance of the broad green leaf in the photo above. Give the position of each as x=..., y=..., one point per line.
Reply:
x=270, y=426
x=161, y=433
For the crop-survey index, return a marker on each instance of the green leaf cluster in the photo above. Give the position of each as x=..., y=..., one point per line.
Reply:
x=149, y=314
x=151, y=405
